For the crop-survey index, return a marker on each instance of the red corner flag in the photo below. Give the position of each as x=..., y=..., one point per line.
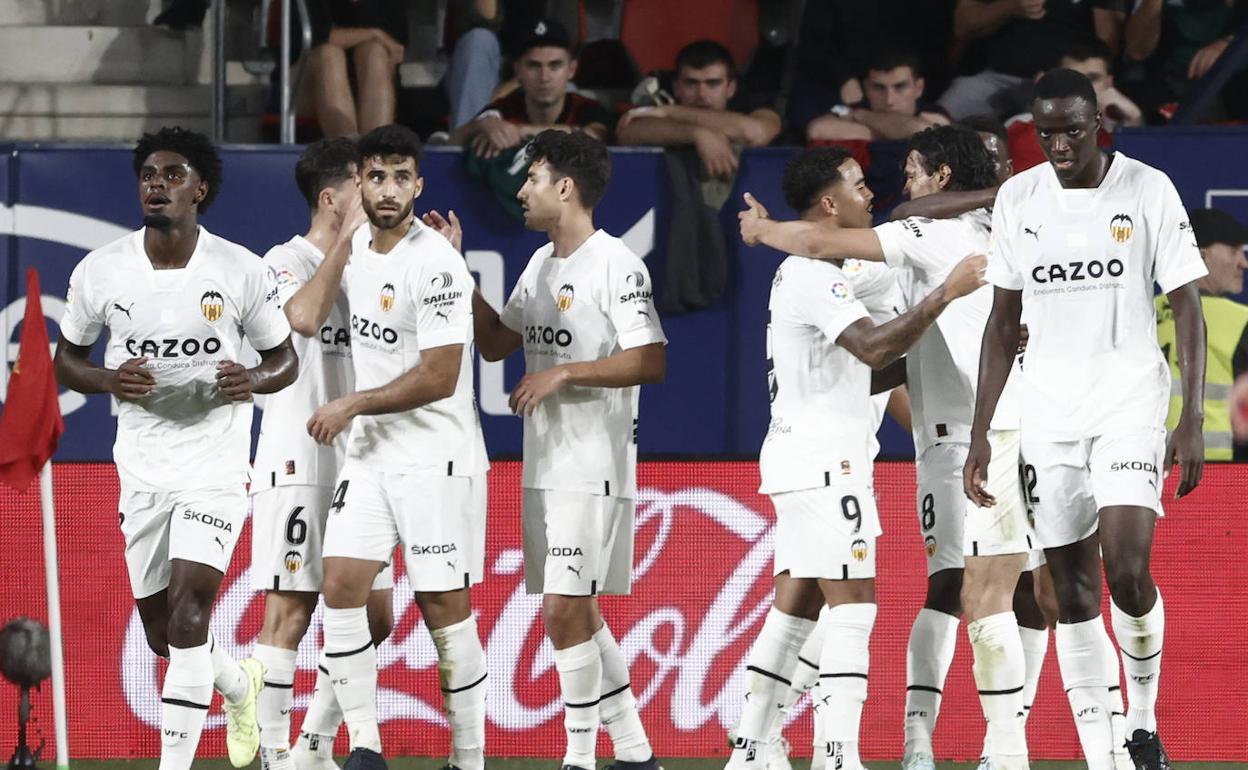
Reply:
x=31, y=424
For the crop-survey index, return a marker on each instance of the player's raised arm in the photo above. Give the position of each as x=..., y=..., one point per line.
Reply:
x=1186, y=444
x=310, y=306
x=819, y=240
x=879, y=346
x=945, y=205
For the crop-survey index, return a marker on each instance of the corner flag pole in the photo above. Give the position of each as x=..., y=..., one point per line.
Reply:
x=51, y=567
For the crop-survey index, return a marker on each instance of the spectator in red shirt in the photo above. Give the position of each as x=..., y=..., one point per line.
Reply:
x=542, y=100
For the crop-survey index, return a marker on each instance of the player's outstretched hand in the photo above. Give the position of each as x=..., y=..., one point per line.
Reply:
x=754, y=221
x=449, y=230
x=1186, y=446
x=975, y=473
x=234, y=381
x=132, y=381
x=966, y=276
x=534, y=387
x=330, y=420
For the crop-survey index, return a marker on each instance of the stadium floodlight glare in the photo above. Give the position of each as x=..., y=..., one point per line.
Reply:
x=25, y=660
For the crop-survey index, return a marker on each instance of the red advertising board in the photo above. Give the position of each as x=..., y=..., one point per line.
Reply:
x=701, y=588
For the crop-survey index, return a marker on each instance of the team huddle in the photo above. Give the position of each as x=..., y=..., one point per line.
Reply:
x=1037, y=460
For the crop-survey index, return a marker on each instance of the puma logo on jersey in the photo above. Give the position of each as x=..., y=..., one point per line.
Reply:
x=575, y=570
x=221, y=543
x=1033, y=233
x=125, y=310
x=442, y=314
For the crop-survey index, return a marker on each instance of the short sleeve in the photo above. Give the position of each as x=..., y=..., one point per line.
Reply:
x=282, y=274
x=915, y=242
x=829, y=303
x=1003, y=270
x=1177, y=260
x=632, y=310
x=84, y=318
x=264, y=323
x=443, y=303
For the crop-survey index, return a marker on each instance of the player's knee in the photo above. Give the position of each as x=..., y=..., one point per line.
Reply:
x=188, y=624
x=1131, y=587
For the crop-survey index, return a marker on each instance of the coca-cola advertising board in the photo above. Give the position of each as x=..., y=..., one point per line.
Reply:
x=702, y=580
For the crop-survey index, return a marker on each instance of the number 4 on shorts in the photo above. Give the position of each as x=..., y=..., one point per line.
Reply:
x=340, y=496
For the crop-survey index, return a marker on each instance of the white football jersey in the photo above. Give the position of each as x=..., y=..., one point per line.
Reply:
x=186, y=434
x=416, y=297
x=587, y=306
x=942, y=370
x=1086, y=262
x=286, y=453
x=822, y=429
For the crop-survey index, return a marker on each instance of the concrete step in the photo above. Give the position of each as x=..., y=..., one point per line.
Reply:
x=75, y=13
x=123, y=55
x=124, y=128
x=112, y=100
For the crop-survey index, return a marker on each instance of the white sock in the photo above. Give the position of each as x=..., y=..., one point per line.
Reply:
x=1113, y=700
x=273, y=703
x=228, y=676
x=819, y=752
x=461, y=672
x=580, y=681
x=843, y=680
x=184, y=702
x=928, y=656
x=352, y=664
x=1141, y=641
x=618, y=707
x=769, y=676
x=1035, y=647
x=1000, y=674
x=323, y=717
x=1079, y=653
x=806, y=679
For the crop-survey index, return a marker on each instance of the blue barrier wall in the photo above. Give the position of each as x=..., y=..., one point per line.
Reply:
x=57, y=202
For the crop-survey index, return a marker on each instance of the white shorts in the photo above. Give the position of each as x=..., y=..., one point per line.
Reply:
x=1075, y=479
x=942, y=505
x=439, y=519
x=577, y=544
x=199, y=525
x=287, y=536
x=1004, y=528
x=826, y=532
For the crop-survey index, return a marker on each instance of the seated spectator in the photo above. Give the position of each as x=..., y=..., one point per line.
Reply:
x=541, y=100
x=892, y=109
x=710, y=114
x=1167, y=46
x=482, y=35
x=1092, y=58
x=354, y=41
x=1221, y=240
x=1016, y=39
